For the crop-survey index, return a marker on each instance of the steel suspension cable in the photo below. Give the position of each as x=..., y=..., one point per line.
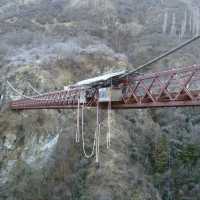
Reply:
x=34, y=89
x=162, y=56
x=19, y=93
x=36, y=98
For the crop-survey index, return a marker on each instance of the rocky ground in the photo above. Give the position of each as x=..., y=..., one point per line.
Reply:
x=154, y=153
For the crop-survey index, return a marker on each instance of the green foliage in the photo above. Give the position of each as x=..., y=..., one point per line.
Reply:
x=137, y=195
x=159, y=155
x=28, y=184
x=190, y=154
x=1, y=164
x=79, y=187
x=182, y=174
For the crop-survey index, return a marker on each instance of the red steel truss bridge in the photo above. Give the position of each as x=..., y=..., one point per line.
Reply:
x=124, y=90
x=177, y=87
x=172, y=88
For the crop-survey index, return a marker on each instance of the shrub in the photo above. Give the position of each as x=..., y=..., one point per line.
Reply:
x=159, y=155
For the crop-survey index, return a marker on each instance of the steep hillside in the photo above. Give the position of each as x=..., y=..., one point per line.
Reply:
x=154, y=154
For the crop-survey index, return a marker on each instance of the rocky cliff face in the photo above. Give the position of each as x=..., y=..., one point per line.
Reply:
x=50, y=43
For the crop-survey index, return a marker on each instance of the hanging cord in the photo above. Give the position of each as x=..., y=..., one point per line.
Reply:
x=108, y=137
x=95, y=147
x=109, y=125
x=78, y=122
x=82, y=134
x=97, y=133
x=98, y=142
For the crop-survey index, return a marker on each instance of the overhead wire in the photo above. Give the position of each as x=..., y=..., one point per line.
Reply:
x=19, y=93
x=38, y=98
x=162, y=56
x=34, y=89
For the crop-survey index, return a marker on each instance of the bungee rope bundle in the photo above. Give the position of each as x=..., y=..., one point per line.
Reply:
x=97, y=133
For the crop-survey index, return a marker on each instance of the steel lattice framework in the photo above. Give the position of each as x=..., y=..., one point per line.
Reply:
x=175, y=87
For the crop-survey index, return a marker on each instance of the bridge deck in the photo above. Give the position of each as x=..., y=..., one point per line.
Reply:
x=175, y=87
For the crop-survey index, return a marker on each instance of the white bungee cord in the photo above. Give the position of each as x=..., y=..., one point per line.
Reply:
x=108, y=136
x=83, y=139
x=109, y=127
x=95, y=146
x=78, y=122
x=97, y=133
